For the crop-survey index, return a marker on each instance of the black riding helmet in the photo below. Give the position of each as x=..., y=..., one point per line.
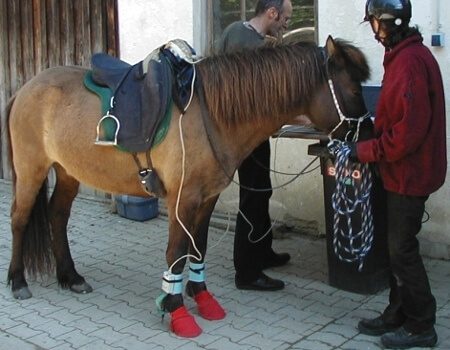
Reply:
x=389, y=10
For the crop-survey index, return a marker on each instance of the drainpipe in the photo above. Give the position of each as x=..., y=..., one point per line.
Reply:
x=435, y=17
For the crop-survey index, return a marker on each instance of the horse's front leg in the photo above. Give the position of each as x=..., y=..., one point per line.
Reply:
x=208, y=307
x=171, y=301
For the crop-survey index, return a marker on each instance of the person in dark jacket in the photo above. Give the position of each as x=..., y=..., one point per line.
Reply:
x=410, y=150
x=253, y=234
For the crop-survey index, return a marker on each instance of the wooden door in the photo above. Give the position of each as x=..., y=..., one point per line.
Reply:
x=38, y=34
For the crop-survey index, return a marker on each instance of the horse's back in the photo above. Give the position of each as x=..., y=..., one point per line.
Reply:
x=52, y=101
x=49, y=113
x=45, y=92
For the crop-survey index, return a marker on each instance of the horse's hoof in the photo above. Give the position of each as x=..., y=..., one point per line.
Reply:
x=183, y=323
x=82, y=288
x=208, y=307
x=22, y=293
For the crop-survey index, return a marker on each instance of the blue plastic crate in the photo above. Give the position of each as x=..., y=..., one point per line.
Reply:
x=136, y=208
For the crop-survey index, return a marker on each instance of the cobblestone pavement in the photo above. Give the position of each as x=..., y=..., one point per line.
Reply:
x=123, y=260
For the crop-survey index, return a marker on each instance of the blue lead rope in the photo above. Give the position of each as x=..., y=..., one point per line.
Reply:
x=352, y=191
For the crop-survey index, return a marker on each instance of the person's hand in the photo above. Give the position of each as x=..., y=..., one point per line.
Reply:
x=336, y=146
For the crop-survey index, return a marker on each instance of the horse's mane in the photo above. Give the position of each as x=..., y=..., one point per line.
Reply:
x=267, y=82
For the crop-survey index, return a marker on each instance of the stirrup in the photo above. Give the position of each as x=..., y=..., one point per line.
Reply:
x=105, y=142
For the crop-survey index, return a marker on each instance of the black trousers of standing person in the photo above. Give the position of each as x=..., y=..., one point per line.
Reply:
x=249, y=248
x=411, y=302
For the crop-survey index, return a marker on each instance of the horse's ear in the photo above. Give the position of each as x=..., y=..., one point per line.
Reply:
x=330, y=46
x=334, y=51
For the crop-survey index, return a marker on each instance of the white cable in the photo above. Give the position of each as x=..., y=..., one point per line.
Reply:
x=183, y=166
x=226, y=230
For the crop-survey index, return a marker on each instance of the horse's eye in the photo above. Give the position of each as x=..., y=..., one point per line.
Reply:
x=357, y=93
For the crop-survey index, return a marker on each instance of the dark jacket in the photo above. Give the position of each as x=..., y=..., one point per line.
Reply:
x=410, y=136
x=240, y=35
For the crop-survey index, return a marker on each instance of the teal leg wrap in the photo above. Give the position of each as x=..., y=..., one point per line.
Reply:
x=159, y=301
x=197, y=272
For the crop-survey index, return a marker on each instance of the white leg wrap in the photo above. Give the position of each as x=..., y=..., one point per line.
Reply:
x=196, y=272
x=172, y=284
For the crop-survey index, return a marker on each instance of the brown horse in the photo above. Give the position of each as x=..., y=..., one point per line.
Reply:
x=247, y=97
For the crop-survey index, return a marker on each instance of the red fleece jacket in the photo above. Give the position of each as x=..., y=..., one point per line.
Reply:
x=410, y=139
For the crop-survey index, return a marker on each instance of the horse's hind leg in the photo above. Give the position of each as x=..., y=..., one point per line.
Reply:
x=66, y=189
x=30, y=231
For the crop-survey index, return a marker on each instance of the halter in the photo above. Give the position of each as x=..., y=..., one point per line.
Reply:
x=343, y=118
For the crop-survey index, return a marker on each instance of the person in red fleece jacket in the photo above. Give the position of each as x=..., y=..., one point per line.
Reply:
x=409, y=146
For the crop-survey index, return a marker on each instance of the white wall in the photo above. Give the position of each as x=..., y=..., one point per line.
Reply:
x=144, y=25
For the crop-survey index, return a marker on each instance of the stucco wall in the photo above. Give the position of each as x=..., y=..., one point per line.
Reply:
x=146, y=24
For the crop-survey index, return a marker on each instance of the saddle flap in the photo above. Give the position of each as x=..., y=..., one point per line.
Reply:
x=156, y=92
x=108, y=70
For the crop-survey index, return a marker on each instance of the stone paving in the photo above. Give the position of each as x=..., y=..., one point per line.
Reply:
x=123, y=260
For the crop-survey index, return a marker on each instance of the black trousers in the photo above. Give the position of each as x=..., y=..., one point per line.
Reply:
x=249, y=248
x=411, y=302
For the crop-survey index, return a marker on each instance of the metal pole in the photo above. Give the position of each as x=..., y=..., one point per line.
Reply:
x=243, y=10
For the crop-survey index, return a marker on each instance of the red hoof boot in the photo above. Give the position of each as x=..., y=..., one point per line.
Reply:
x=183, y=323
x=208, y=307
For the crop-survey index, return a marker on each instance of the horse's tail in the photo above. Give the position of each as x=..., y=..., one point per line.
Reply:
x=37, y=252
x=36, y=243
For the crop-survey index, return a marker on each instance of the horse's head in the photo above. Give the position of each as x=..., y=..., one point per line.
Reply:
x=339, y=107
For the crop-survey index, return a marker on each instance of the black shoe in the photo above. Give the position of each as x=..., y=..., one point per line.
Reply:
x=402, y=339
x=263, y=283
x=274, y=260
x=376, y=326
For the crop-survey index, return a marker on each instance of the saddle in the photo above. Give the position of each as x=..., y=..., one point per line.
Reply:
x=142, y=94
